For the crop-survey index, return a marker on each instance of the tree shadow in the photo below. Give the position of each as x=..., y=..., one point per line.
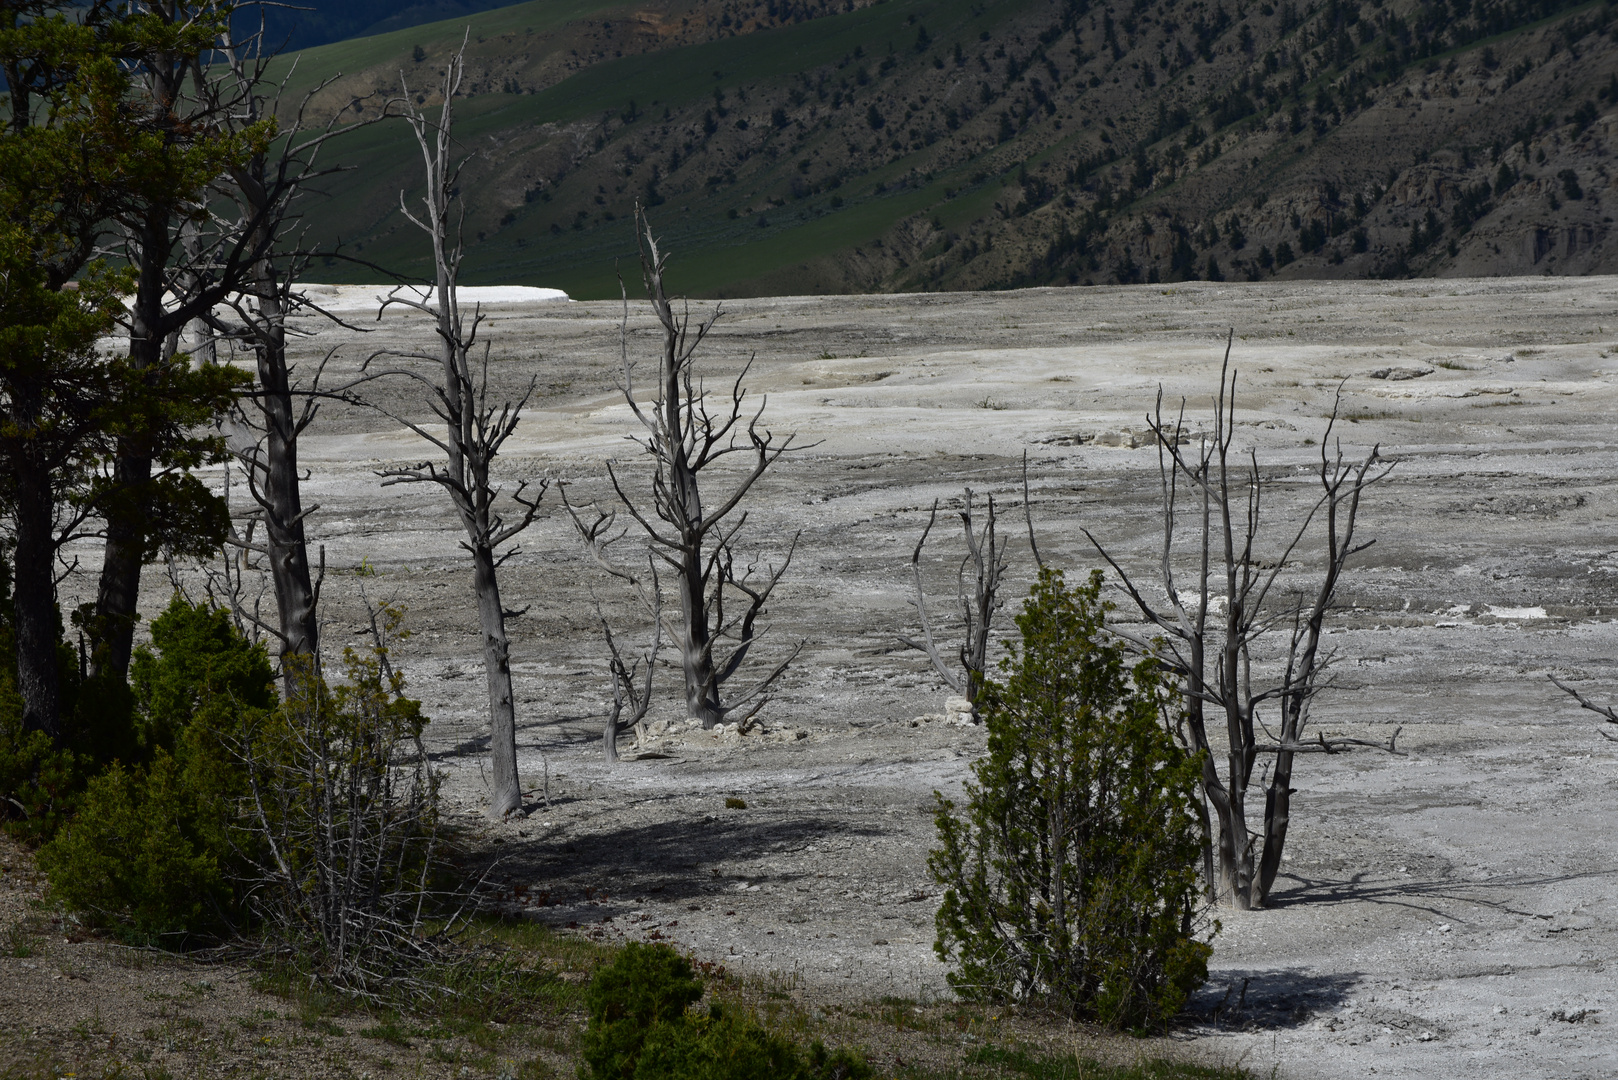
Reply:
x=558, y=733
x=669, y=859
x=1267, y=1000
x=1434, y=895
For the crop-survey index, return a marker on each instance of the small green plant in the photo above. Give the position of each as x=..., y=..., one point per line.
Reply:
x=642, y=1027
x=646, y=986
x=18, y=942
x=1070, y=875
x=387, y=1031
x=733, y=803
x=40, y=785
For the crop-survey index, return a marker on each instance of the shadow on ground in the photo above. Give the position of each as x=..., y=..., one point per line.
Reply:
x=667, y=858
x=1268, y=1000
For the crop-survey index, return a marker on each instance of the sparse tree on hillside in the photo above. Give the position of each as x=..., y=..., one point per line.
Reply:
x=476, y=429
x=1224, y=603
x=693, y=536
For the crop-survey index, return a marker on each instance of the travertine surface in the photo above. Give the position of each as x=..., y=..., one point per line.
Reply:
x=1448, y=912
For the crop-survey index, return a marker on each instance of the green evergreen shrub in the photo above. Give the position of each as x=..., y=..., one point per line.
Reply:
x=197, y=662
x=154, y=847
x=646, y=986
x=724, y=1045
x=641, y=1027
x=1071, y=873
x=40, y=785
x=134, y=855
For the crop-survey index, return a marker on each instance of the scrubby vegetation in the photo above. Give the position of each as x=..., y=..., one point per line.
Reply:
x=642, y=1027
x=1071, y=872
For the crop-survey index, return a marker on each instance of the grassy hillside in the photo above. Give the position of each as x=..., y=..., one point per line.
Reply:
x=316, y=22
x=940, y=144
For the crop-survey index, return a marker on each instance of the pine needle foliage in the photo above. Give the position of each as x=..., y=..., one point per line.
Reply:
x=1070, y=874
x=643, y=1027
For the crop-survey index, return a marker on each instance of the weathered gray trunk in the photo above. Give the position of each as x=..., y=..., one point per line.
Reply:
x=685, y=495
x=696, y=643
x=1277, y=816
x=280, y=495
x=473, y=435
x=505, y=792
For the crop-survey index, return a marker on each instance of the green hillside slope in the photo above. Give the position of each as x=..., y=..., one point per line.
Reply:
x=944, y=144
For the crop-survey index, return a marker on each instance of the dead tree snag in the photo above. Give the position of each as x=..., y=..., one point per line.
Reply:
x=985, y=560
x=693, y=537
x=1213, y=631
x=475, y=430
x=269, y=420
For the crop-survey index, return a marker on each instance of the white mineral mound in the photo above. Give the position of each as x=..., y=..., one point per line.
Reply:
x=367, y=298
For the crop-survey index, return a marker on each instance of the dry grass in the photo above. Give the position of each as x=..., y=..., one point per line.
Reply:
x=74, y=1003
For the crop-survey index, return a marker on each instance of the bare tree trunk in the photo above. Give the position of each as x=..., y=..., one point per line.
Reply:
x=34, y=604
x=505, y=794
x=696, y=644
x=264, y=437
x=1248, y=860
x=986, y=558
x=695, y=540
x=473, y=434
x=628, y=694
x=277, y=476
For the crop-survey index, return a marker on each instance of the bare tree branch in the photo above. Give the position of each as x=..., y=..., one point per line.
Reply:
x=690, y=535
x=1212, y=636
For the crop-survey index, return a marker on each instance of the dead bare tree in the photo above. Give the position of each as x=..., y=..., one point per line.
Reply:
x=697, y=542
x=268, y=421
x=984, y=564
x=476, y=428
x=1606, y=712
x=1226, y=615
x=631, y=680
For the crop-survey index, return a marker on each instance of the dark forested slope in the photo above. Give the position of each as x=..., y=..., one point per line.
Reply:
x=825, y=145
